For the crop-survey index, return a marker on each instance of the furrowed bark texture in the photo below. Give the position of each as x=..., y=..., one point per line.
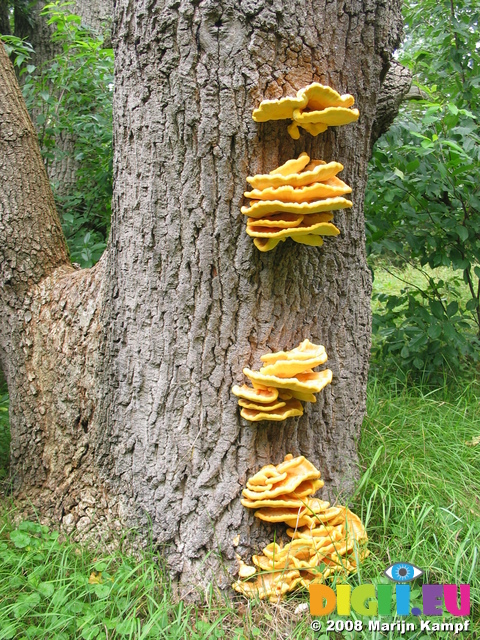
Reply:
x=190, y=301
x=395, y=89
x=49, y=333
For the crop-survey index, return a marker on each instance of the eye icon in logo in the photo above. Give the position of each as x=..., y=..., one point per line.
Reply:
x=403, y=572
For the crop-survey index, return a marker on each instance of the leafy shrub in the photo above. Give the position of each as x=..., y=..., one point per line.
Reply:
x=423, y=197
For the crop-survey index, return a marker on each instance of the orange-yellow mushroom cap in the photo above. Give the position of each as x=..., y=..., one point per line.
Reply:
x=320, y=173
x=257, y=406
x=280, y=220
x=320, y=96
x=261, y=394
x=267, y=244
x=261, y=208
x=278, y=109
x=310, y=240
x=310, y=226
x=306, y=350
x=288, y=409
x=292, y=166
x=303, y=382
x=327, y=189
x=333, y=117
x=290, y=368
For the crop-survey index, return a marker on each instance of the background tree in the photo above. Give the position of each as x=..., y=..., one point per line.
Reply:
x=120, y=375
x=423, y=199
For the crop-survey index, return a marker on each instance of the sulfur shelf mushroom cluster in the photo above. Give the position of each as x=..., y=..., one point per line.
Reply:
x=295, y=201
x=324, y=539
x=286, y=378
x=314, y=108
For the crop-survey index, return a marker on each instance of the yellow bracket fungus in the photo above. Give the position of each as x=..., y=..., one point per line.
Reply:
x=315, y=108
x=295, y=201
x=278, y=501
x=312, y=382
x=288, y=368
x=310, y=240
x=292, y=166
x=268, y=406
x=325, y=540
x=332, y=116
x=267, y=244
x=278, y=109
x=327, y=189
x=257, y=394
x=320, y=173
x=289, y=409
x=298, y=470
x=310, y=227
x=306, y=350
x=321, y=97
x=262, y=208
x=285, y=379
x=281, y=220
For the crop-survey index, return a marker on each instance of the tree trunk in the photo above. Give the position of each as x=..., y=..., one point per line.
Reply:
x=4, y=18
x=95, y=14
x=134, y=360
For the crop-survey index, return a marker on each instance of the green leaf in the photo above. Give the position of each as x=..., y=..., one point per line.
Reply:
x=434, y=331
x=46, y=589
x=452, y=308
x=472, y=304
x=20, y=539
x=462, y=233
x=102, y=590
x=437, y=309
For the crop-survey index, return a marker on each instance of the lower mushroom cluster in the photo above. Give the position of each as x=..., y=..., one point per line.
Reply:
x=286, y=378
x=325, y=539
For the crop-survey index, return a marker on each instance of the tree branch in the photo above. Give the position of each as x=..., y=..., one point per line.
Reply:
x=32, y=243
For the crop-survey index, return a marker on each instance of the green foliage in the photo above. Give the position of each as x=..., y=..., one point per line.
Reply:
x=20, y=51
x=420, y=470
x=71, y=100
x=53, y=589
x=423, y=198
x=420, y=454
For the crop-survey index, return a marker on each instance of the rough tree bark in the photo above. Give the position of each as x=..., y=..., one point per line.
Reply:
x=394, y=90
x=120, y=375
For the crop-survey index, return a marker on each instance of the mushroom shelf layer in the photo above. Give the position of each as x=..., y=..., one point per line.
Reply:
x=314, y=109
x=286, y=379
x=295, y=201
x=325, y=540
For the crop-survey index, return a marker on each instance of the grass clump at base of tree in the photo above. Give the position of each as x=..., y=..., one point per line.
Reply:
x=418, y=496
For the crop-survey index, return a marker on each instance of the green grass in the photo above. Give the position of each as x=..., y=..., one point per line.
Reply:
x=418, y=496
